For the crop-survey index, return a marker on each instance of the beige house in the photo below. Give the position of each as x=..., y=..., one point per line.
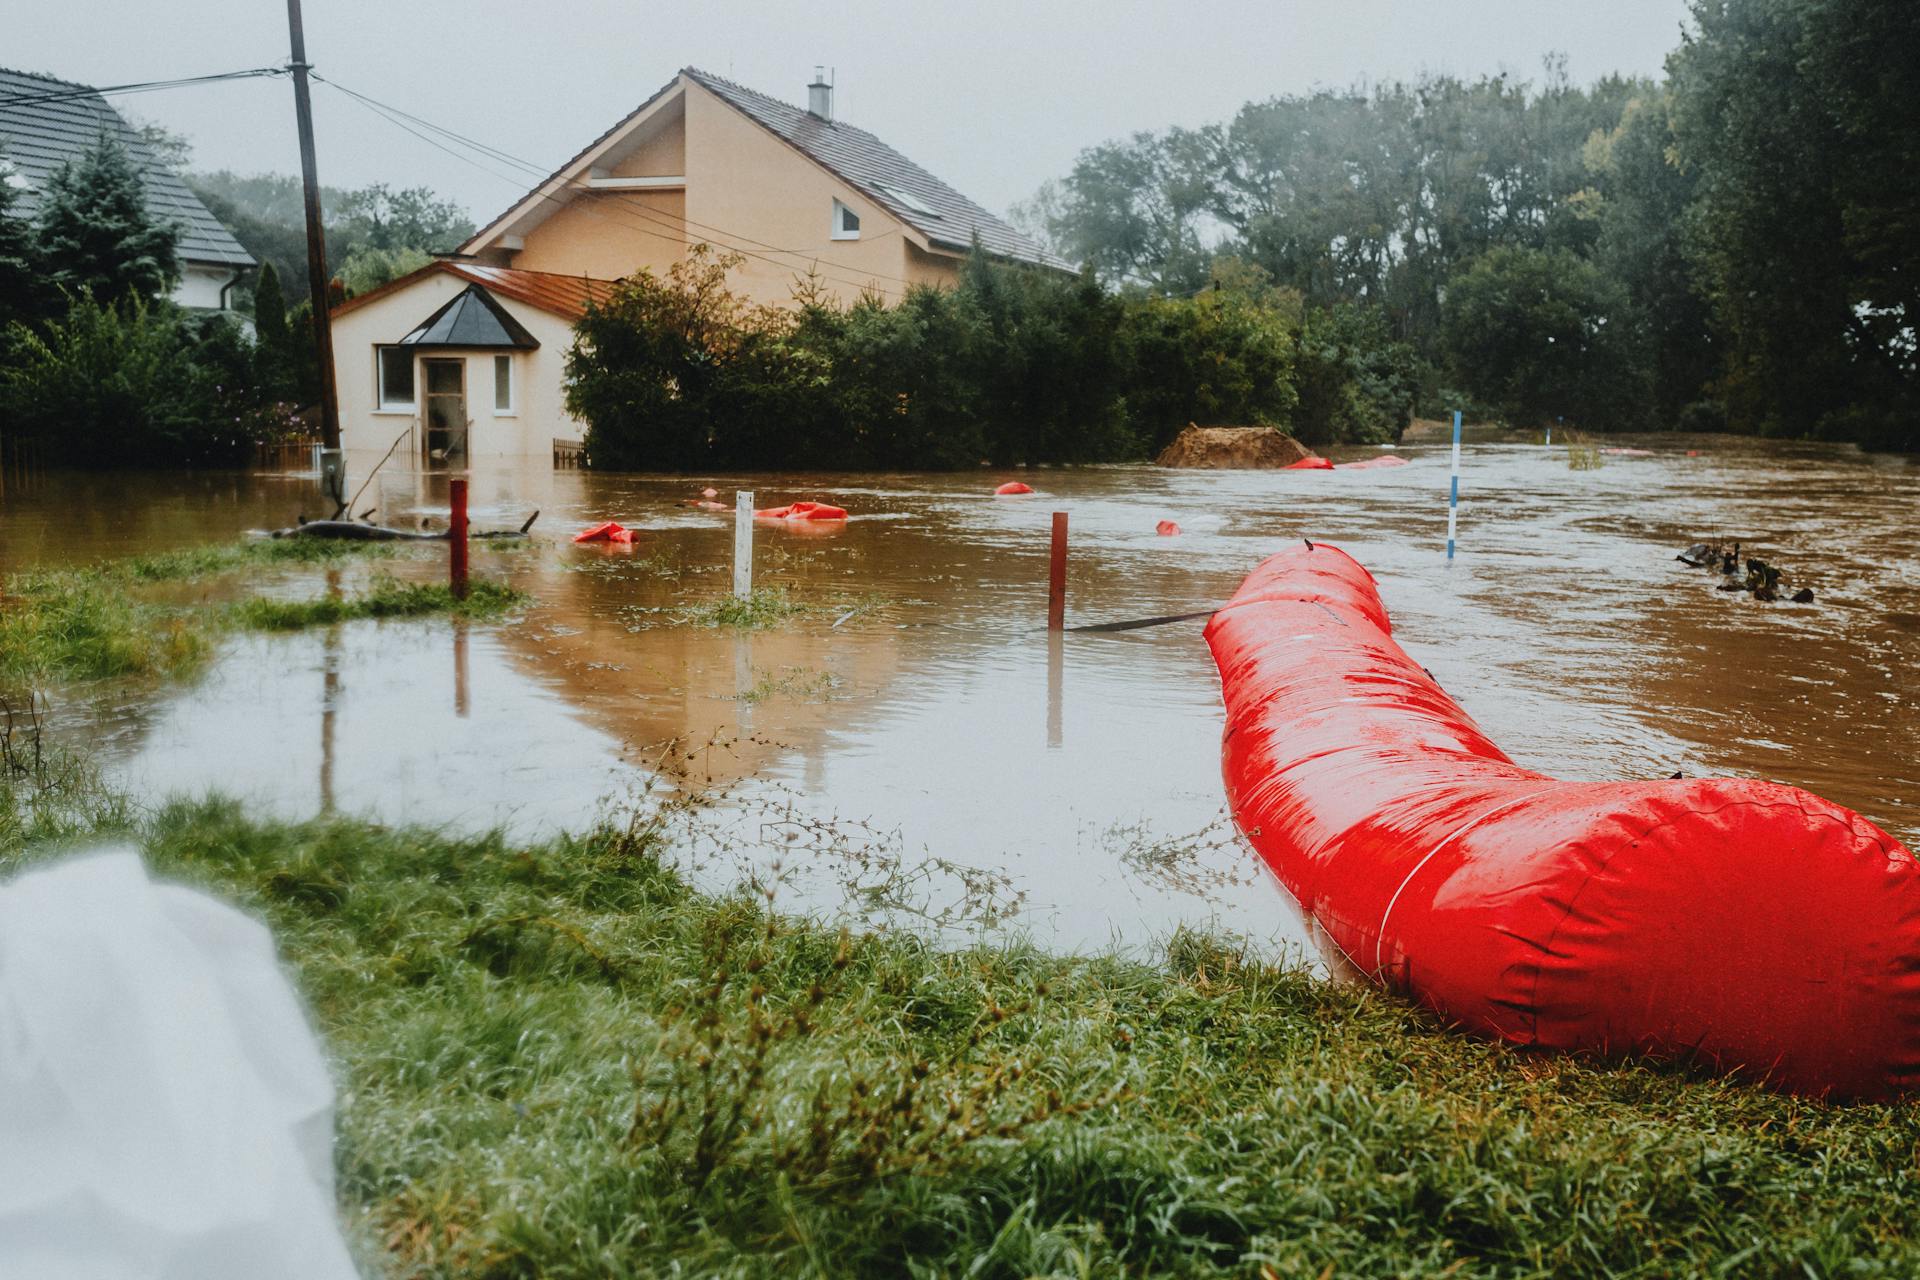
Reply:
x=469, y=352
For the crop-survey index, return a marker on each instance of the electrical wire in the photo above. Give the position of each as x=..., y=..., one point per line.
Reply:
x=145, y=86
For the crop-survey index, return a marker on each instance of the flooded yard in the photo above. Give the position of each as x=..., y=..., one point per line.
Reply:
x=910, y=741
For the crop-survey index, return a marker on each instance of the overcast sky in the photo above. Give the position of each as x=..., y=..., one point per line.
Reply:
x=993, y=96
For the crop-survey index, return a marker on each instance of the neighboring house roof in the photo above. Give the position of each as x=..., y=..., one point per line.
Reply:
x=471, y=318
x=903, y=188
x=36, y=138
x=563, y=296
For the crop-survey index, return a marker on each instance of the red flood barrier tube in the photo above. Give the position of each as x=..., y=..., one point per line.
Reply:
x=1012, y=488
x=1309, y=464
x=1746, y=925
x=802, y=511
x=611, y=531
x=1368, y=464
x=1167, y=529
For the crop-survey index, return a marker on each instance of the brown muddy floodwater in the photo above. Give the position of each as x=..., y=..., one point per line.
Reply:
x=933, y=756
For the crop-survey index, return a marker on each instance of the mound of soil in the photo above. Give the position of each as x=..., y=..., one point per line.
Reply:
x=1221, y=448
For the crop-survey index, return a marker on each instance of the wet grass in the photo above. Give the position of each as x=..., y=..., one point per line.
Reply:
x=768, y=607
x=228, y=557
x=99, y=623
x=386, y=597
x=558, y=1060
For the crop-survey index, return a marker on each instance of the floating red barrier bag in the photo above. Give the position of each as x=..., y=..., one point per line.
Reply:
x=611, y=531
x=1309, y=464
x=1747, y=925
x=1167, y=529
x=802, y=511
x=1012, y=487
x=1367, y=464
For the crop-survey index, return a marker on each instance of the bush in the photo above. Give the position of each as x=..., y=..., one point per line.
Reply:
x=134, y=384
x=1012, y=365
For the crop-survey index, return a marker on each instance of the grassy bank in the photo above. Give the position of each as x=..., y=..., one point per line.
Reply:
x=558, y=1060
x=112, y=619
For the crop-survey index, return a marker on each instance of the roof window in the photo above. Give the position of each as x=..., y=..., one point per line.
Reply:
x=906, y=200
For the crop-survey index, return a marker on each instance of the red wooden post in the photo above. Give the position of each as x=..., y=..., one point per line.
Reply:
x=1057, y=575
x=457, y=537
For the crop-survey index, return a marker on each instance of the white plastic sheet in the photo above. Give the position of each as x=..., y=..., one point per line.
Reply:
x=165, y=1112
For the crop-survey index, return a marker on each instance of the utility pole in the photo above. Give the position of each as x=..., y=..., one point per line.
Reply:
x=333, y=462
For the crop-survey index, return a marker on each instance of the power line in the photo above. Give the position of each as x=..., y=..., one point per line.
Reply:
x=725, y=238
x=144, y=86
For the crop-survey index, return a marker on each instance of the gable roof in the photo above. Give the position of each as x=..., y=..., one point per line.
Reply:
x=907, y=191
x=563, y=296
x=471, y=318
x=926, y=204
x=36, y=138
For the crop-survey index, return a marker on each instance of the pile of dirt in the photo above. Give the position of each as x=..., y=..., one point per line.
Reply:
x=1221, y=448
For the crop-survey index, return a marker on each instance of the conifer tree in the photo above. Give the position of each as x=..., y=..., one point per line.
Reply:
x=96, y=235
x=272, y=357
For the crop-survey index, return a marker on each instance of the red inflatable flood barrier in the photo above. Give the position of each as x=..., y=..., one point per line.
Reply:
x=802, y=511
x=1367, y=464
x=1012, y=487
x=611, y=531
x=1746, y=925
x=1167, y=529
x=1309, y=464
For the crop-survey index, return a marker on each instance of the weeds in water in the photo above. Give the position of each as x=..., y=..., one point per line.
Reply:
x=227, y=557
x=769, y=607
x=96, y=624
x=72, y=624
x=387, y=597
x=799, y=684
x=1582, y=453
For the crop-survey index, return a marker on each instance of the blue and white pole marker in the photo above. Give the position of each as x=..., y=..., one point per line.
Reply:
x=1453, y=497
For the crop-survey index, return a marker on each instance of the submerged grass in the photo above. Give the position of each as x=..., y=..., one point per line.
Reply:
x=97, y=623
x=559, y=1060
x=386, y=597
x=767, y=607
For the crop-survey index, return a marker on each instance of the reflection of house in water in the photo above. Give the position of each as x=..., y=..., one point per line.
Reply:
x=738, y=700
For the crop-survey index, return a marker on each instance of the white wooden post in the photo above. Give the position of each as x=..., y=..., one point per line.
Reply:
x=743, y=544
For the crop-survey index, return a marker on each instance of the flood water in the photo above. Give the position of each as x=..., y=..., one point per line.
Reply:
x=915, y=745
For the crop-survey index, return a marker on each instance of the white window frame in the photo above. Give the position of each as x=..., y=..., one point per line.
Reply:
x=839, y=229
x=513, y=389
x=380, y=402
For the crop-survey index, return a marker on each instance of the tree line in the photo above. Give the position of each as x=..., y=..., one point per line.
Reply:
x=1729, y=247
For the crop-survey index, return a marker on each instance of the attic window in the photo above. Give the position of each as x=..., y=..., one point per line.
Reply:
x=906, y=200
x=846, y=223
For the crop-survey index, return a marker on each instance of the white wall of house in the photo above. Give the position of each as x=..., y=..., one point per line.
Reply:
x=203, y=285
x=534, y=418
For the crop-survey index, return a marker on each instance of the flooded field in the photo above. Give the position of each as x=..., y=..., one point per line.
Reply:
x=911, y=742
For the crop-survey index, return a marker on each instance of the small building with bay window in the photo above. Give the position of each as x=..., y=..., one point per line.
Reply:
x=459, y=361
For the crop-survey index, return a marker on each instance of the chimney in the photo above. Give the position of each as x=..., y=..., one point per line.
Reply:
x=820, y=96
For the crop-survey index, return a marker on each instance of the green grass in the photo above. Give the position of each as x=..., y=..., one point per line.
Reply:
x=558, y=1060
x=105, y=621
x=227, y=557
x=386, y=597
x=768, y=607
x=85, y=625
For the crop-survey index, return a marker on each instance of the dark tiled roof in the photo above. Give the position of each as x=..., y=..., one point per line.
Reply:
x=946, y=217
x=564, y=296
x=471, y=319
x=36, y=138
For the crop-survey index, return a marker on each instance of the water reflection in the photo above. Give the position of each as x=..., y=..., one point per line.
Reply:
x=1564, y=627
